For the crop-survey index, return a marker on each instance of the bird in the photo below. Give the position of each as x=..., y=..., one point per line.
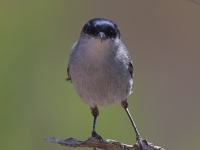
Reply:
x=101, y=69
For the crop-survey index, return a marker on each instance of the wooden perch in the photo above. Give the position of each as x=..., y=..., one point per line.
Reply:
x=107, y=144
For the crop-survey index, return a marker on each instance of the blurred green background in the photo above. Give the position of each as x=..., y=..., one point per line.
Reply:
x=163, y=38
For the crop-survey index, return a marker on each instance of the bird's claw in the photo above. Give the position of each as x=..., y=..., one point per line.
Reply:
x=96, y=136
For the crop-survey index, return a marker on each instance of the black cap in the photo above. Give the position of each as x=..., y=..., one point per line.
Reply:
x=101, y=25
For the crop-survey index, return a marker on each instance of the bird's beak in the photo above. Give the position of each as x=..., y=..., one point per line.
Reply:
x=102, y=36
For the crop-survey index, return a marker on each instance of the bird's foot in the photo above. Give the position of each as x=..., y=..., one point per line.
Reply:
x=141, y=141
x=138, y=138
x=96, y=136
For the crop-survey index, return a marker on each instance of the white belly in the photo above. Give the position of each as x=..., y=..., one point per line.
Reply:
x=101, y=85
x=99, y=72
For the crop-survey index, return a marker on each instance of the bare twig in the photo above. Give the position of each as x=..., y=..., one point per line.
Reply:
x=104, y=144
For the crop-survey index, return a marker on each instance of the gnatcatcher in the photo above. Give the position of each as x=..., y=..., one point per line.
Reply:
x=100, y=68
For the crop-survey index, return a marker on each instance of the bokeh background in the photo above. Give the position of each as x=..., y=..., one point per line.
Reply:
x=163, y=38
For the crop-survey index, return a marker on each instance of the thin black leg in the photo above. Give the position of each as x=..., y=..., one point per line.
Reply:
x=125, y=106
x=95, y=113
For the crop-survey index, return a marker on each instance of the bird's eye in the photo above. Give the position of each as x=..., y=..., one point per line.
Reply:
x=111, y=33
x=91, y=31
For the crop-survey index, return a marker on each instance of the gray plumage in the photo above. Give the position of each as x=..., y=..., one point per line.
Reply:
x=100, y=71
x=100, y=68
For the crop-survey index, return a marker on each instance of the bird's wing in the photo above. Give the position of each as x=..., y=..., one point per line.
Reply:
x=69, y=77
x=130, y=68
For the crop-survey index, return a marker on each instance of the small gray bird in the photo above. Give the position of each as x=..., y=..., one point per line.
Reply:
x=100, y=68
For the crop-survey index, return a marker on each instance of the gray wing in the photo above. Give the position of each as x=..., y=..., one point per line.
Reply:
x=130, y=68
x=69, y=77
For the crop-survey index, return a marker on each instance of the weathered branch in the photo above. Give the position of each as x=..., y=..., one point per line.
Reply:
x=107, y=144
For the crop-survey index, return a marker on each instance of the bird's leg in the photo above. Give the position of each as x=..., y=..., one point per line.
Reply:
x=95, y=113
x=125, y=106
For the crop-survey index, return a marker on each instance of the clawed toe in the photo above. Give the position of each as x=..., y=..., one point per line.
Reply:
x=138, y=138
x=96, y=136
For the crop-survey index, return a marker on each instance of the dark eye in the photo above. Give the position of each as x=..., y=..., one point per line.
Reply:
x=91, y=31
x=111, y=33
